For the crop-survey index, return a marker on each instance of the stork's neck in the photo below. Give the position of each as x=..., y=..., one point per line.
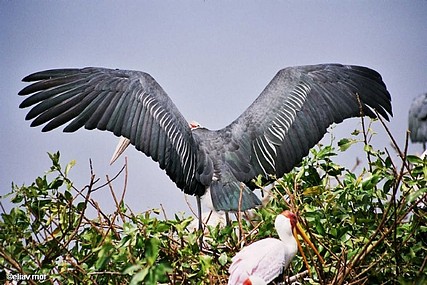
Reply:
x=284, y=229
x=285, y=232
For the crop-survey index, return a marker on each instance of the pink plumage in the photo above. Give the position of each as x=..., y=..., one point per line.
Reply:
x=265, y=259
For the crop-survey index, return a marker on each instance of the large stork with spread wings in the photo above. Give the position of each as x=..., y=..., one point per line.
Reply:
x=272, y=136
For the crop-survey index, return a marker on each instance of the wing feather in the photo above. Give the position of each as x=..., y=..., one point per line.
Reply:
x=127, y=103
x=293, y=112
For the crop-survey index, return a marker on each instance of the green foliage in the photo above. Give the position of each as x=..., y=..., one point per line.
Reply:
x=370, y=227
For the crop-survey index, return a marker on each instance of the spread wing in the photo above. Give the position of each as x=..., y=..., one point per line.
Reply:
x=293, y=112
x=128, y=103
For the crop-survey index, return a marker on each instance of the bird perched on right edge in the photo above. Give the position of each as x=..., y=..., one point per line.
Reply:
x=417, y=120
x=264, y=260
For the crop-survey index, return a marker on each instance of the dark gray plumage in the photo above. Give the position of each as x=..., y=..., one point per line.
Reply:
x=417, y=120
x=272, y=136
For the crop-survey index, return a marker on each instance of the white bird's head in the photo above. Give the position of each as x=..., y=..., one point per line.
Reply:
x=194, y=125
x=285, y=224
x=287, y=227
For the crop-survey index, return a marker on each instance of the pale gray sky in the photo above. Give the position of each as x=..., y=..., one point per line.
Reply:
x=213, y=58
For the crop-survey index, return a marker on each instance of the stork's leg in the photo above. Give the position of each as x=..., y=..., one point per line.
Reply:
x=199, y=213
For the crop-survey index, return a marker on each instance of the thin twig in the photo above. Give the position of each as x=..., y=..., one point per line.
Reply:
x=239, y=212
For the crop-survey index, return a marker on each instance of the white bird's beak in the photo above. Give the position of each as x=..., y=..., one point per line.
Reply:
x=120, y=148
x=299, y=230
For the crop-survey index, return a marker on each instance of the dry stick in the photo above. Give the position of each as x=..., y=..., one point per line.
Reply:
x=125, y=186
x=106, y=272
x=399, y=175
x=93, y=182
x=94, y=204
x=189, y=206
x=365, y=249
x=304, y=222
x=74, y=233
x=106, y=183
x=239, y=213
x=371, y=265
x=2, y=208
x=395, y=145
x=114, y=195
x=101, y=214
x=353, y=169
x=363, y=128
x=14, y=263
x=282, y=196
x=341, y=263
x=422, y=266
x=79, y=268
x=249, y=219
x=37, y=235
x=163, y=211
x=118, y=212
x=368, y=246
x=251, y=232
x=111, y=226
x=80, y=193
x=360, y=281
x=410, y=208
x=291, y=203
x=297, y=276
x=293, y=206
x=395, y=189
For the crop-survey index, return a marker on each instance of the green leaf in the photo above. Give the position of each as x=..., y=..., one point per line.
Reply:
x=345, y=143
x=41, y=182
x=139, y=276
x=68, y=167
x=131, y=269
x=223, y=259
x=152, y=251
x=56, y=183
x=415, y=195
x=55, y=160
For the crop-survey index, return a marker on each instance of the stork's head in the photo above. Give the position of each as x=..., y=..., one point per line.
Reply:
x=296, y=229
x=194, y=125
x=292, y=218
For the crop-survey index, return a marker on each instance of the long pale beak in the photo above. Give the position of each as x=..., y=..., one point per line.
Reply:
x=120, y=148
x=299, y=230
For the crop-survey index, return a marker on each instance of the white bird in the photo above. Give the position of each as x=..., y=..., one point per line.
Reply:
x=266, y=259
